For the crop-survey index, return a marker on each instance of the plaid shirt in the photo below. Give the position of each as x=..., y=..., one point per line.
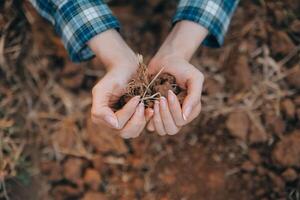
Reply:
x=77, y=21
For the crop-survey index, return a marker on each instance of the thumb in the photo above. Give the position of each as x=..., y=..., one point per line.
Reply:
x=105, y=115
x=194, y=90
x=148, y=114
x=101, y=112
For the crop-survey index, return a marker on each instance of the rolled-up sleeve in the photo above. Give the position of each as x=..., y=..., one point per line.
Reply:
x=76, y=22
x=214, y=15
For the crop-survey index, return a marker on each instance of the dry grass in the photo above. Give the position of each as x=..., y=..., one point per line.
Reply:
x=141, y=84
x=35, y=106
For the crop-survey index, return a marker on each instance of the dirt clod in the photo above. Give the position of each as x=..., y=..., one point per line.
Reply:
x=255, y=156
x=248, y=166
x=92, y=178
x=72, y=169
x=281, y=43
x=293, y=78
x=94, y=196
x=238, y=124
x=287, y=151
x=104, y=141
x=288, y=108
x=149, y=87
x=256, y=135
x=290, y=175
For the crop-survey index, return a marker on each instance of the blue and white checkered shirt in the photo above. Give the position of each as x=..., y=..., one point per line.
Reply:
x=77, y=21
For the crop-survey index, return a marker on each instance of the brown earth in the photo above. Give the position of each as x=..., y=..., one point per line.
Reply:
x=244, y=145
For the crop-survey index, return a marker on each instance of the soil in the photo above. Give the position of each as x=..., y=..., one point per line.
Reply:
x=150, y=87
x=244, y=144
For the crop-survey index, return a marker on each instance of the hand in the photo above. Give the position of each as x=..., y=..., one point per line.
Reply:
x=121, y=63
x=169, y=115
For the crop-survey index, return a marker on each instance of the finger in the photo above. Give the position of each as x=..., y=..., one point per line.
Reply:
x=149, y=114
x=194, y=113
x=168, y=122
x=194, y=90
x=175, y=109
x=150, y=126
x=136, y=124
x=101, y=112
x=104, y=115
x=124, y=114
x=159, y=127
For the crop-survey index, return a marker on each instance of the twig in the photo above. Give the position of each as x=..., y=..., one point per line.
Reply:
x=289, y=56
x=3, y=186
x=151, y=97
x=152, y=81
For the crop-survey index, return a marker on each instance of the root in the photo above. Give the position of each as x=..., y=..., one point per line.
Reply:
x=147, y=86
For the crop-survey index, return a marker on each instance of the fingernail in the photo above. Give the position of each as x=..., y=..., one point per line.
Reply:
x=150, y=127
x=112, y=121
x=171, y=96
x=186, y=113
x=156, y=107
x=150, y=112
x=141, y=107
x=163, y=101
x=137, y=98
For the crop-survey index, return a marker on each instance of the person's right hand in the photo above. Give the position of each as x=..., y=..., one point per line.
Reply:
x=121, y=64
x=130, y=120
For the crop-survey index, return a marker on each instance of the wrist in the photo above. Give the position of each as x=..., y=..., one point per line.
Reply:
x=183, y=40
x=113, y=51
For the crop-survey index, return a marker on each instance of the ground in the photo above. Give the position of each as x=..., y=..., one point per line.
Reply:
x=244, y=145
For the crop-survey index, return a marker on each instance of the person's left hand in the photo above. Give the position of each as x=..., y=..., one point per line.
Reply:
x=169, y=116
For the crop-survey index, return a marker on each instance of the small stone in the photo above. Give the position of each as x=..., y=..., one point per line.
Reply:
x=61, y=191
x=94, y=196
x=277, y=181
x=295, y=26
x=261, y=170
x=238, y=73
x=103, y=140
x=281, y=43
x=212, y=86
x=257, y=136
x=286, y=152
x=293, y=78
x=288, y=107
x=297, y=100
x=255, y=156
x=92, y=178
x=52, y=170
x=290, y=175
x=248, y=166
x=275, y=123
x=72, y=169
x=238, y=125
x=98, y=163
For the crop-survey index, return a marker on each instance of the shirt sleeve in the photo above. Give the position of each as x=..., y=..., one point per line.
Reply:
x=76, y=22
x=214, y=15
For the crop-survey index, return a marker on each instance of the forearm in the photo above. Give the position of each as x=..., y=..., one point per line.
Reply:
x=183, y=40
x=77, y=22
x=113, y=52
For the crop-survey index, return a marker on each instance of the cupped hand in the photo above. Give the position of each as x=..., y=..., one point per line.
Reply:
x=121, y=64
x=169, y=115
x=130, y=120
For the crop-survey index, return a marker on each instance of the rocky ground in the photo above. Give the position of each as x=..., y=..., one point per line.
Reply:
x=244, y=145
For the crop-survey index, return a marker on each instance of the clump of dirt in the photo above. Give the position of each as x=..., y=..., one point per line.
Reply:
x=286, y=152
x=150, y=87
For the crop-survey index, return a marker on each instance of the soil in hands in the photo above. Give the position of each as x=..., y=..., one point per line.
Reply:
x=150, y=87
